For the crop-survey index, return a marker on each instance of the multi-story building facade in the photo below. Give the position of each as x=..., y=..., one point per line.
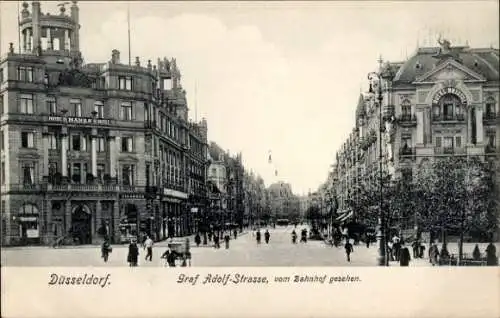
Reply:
x=96, y=149
x=442, y=101
x=283, y=203
x=227, y=174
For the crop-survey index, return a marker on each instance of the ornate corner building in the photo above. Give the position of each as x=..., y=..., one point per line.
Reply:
x=89, y=150
x=443, y=101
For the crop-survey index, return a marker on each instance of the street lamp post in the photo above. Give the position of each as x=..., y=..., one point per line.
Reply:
x=381, y=233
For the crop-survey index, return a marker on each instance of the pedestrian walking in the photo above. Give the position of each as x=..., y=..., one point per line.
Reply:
x=105, y=249
x=348, y=249
x=148, y=245
x=415, y=246
x=257, y=236
x=197, y=239
x=210, y=236
x=404, y=256
x=226, y=240
x=235, y=233
x=294, y=237
x=491, y=255
x=267, y=236
x=396, y=246
x=133, y=253
x=216, y=241
x=476, y=254
x=421, y=250
x=434, y=255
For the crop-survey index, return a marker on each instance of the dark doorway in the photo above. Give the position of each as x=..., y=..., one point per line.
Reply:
x=81, y=225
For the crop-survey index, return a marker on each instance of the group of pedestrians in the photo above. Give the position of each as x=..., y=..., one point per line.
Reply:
x=267, y=236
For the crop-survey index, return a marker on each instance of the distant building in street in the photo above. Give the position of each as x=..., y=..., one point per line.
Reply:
x=89, y=150
x=442, y=101
x=226, y=172
x=283, y=203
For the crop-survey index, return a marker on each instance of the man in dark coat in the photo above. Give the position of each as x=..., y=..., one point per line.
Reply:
x=348, y=249
x=404, y=256
x=133, y=253
x=491, y=255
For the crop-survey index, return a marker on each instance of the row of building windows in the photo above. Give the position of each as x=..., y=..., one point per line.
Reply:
x=27, y=74
x=78, y=142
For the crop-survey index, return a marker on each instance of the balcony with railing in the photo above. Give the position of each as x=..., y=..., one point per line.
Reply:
x=450, y=150
x=490, y=117
x=407, y=120
x=448, y=118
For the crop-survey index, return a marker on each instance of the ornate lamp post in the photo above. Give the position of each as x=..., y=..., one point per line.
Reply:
x=381, y=233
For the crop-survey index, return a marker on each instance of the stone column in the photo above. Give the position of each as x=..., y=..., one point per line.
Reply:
x=116, y=221
x=29, y=41
x=45, y=137
x=49, y=40
x=112, y=156
x=469, y=126
x=98, y=216
x=94, y=152
x=66, y=40
x=420, y=127
x=49, y=230
x=67, y=214
x=479, y=125
x=64, y=152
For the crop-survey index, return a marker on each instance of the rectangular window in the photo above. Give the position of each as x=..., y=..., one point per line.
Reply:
x=99, y=109
x=27, y=139
x=1, y=75
x=101, y=144
x=1, y=140
x=127, y=144
x=76, y=173
x=28, y=173
x=448, y=142
x=128, y=173
x=51, y=105
x=101, y=170
x=2, y=176
x=52, y=168
x=125, y=83
x=75, y=143
x=438, y=142
x=126, y=111
x=25, y=74
x=52, y=141
x=491, y=141
x=458, y=141
x=26, y=103
x=448, y=111
x=76, y=106
x=1, y=104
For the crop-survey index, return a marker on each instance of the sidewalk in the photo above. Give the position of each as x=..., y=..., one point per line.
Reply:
x=162, y=243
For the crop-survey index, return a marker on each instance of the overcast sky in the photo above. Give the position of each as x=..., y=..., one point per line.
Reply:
x=274, y=76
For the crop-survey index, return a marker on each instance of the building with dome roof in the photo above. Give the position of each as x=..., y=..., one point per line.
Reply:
x=442, y=101
x=97, y=149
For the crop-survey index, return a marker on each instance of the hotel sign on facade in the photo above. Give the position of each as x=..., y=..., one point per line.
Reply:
x=81, y=120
